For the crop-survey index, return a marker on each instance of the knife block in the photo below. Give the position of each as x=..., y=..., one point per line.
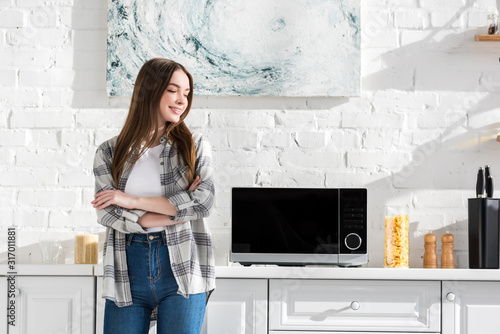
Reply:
x=484, y=233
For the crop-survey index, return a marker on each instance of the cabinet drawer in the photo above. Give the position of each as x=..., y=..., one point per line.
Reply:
x=355, y=305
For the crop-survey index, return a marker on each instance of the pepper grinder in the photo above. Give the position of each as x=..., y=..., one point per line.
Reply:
x=430, y=256
x=447, y=258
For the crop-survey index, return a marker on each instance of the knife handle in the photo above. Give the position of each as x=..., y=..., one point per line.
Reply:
x=480, y=183
x=489, y=186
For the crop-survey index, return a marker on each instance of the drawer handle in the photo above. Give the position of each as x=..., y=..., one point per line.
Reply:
x=355, y=306
x=450, y=296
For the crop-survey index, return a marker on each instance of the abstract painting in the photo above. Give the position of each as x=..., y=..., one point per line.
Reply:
x=240, y=47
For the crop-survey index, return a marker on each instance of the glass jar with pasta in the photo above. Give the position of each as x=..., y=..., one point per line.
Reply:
x=86, y=245
x=397, y=250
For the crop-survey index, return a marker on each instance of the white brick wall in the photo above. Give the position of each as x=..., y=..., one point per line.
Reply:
x=427, y=118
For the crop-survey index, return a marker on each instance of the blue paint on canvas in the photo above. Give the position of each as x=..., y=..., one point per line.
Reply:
x=237, y=47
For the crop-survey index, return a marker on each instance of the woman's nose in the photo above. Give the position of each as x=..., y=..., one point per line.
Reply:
x=181, y=99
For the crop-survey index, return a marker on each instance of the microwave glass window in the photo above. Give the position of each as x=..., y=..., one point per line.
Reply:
x=291, y=221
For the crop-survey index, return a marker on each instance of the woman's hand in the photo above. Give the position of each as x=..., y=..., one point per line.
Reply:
x=195, y=183
x=108, y=197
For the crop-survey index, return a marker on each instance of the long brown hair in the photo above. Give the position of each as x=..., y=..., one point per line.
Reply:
x=142, y=125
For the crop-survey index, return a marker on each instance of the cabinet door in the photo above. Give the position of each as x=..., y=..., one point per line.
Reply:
x=100, y=302
x=471, y=307
x=237, y=306
x=53, y=305
x=354, y=305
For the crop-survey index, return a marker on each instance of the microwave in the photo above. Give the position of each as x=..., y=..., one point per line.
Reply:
x=299, y=226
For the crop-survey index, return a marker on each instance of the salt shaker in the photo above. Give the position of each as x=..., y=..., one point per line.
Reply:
x=430, y=256
x=447, y=258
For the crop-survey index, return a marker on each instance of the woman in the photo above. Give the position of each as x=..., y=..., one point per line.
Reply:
x=154, y=186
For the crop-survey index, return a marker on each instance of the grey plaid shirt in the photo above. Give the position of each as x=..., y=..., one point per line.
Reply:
x=189, y=243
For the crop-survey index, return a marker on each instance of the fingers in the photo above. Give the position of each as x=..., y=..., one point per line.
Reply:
x=195, y=183
x=102, y=203
x=107, y=197
x=103, y=194
x=104, y=199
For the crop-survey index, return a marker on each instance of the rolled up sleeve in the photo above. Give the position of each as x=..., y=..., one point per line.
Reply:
x=118, y=218
x=198, y=203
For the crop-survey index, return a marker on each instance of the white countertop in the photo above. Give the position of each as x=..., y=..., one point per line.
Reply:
x=281, y=272
x=358, y=273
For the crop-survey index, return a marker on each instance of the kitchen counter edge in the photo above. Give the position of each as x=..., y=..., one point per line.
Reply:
x=359, y=273
x=276, y=272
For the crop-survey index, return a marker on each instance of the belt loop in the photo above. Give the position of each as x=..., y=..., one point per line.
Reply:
x=129, y=238
x=164, y=237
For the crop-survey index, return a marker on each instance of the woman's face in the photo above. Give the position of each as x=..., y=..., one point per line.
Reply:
x=175, y=98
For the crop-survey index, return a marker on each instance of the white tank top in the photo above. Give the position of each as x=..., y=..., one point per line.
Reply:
x=144, y=179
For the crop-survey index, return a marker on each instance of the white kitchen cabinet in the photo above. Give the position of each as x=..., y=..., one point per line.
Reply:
x=99, y=309
x=237, y=306
x=54, y=305
x=3, y=301
x=471, y=307
x=354, y=306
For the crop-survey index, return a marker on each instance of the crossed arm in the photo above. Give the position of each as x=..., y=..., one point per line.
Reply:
x=158, y=209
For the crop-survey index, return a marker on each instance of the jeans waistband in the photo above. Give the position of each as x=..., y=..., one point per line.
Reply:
x=149, y=237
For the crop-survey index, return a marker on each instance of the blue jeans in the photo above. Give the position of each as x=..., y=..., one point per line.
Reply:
x=153, y=285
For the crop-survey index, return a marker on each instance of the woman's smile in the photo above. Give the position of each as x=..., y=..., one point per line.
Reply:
x=177, y=111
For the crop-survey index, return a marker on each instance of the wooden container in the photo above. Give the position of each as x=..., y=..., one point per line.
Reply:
x=447, y=258
x=430, y=256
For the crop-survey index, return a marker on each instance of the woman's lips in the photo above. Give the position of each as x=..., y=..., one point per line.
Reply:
x=176, y=111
